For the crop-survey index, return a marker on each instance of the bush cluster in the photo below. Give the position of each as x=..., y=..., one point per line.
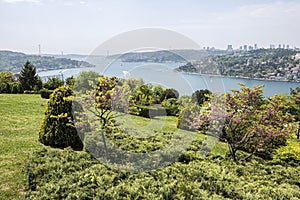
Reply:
x=45, y=93
x=147, y=111
x=67, y=174
x=172, y=106
x=11, y=88
x=289, y=154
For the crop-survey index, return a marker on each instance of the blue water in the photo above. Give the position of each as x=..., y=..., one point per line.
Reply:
x=163, y=74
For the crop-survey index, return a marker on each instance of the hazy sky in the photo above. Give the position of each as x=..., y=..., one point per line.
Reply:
x=79, y=26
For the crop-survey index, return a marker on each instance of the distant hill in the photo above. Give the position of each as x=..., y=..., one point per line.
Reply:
x=14, y=61
x=77, y=57
x=182, y=55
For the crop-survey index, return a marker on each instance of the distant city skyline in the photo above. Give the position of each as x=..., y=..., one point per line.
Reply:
x=79, y=26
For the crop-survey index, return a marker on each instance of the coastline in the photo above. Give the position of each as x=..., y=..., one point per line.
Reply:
x=237, y=77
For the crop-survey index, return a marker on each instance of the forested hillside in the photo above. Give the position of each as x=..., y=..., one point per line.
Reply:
x=14, y=61
x=277, y=64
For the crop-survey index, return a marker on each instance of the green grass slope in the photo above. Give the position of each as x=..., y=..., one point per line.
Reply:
x=20, y=118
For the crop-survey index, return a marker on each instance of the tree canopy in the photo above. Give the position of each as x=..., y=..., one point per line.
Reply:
x=245, y=121
x=28, y=77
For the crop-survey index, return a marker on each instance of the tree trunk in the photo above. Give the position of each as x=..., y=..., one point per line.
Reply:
x=232, y=152
x=104, y=142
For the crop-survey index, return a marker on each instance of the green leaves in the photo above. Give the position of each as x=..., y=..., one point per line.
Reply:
x=28, y=77
x=57, y=128
x=245, y=121
x=67, y=174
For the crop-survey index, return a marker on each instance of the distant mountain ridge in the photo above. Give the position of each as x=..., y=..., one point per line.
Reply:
x=180, y=55
x=14, y=61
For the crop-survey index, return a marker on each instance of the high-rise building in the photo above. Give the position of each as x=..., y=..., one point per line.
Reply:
x=229, y=47
x=288, y=46
x=279, y=46
x=255, y=46
x=283, y=46
x=245, y=48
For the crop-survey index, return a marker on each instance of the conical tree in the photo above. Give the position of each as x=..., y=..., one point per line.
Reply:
x=28, y=77
x=57, y=129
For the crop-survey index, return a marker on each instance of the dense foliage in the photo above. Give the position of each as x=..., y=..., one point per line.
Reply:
x=53, y=83
x=200, y=96
x=8, y=84
x=85, y=81
x=57, y=128
x=45, y=93
x=29, y=78
x=172, y=106
x=244, y=120
x=289, y=154
x=67, y=174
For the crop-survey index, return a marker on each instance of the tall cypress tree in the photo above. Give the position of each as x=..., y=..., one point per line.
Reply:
x=28, y=77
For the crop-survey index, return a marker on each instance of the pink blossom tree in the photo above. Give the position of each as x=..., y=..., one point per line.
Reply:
x=245, y=121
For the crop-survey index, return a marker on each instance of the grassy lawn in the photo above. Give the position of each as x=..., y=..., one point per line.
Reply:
x=141, y=127
x=20, y=118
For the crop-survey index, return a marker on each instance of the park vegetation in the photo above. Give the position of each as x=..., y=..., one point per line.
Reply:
x=29, y=82
x=99, y=134
x=255, y=156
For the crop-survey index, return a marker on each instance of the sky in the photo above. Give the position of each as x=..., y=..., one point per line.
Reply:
x=80, y=26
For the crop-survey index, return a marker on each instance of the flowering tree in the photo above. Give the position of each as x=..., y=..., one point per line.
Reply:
x=98, y=102
x=102, y=95
x=245, y=121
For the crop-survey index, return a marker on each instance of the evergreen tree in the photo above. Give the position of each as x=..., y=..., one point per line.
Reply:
x=28, y=77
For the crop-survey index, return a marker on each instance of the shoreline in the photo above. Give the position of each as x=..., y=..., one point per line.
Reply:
x=237, y=77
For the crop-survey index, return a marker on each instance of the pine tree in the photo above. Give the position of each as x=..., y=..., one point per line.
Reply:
x=28, y=77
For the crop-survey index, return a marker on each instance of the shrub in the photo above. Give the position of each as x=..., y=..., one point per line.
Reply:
x=170, y=93
x=147, y=111
x=158, y=93
x=289, y=154
x=16, y=88
x=171, y=106
x=4, y=87
x=200, y=96
x=144, y=111
x=45, y=93
x=85, y=81
x=70, y=81
x=67, y=174
x=8, y=84
x=57, y=129
x=187, y=117
x=53, y=83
